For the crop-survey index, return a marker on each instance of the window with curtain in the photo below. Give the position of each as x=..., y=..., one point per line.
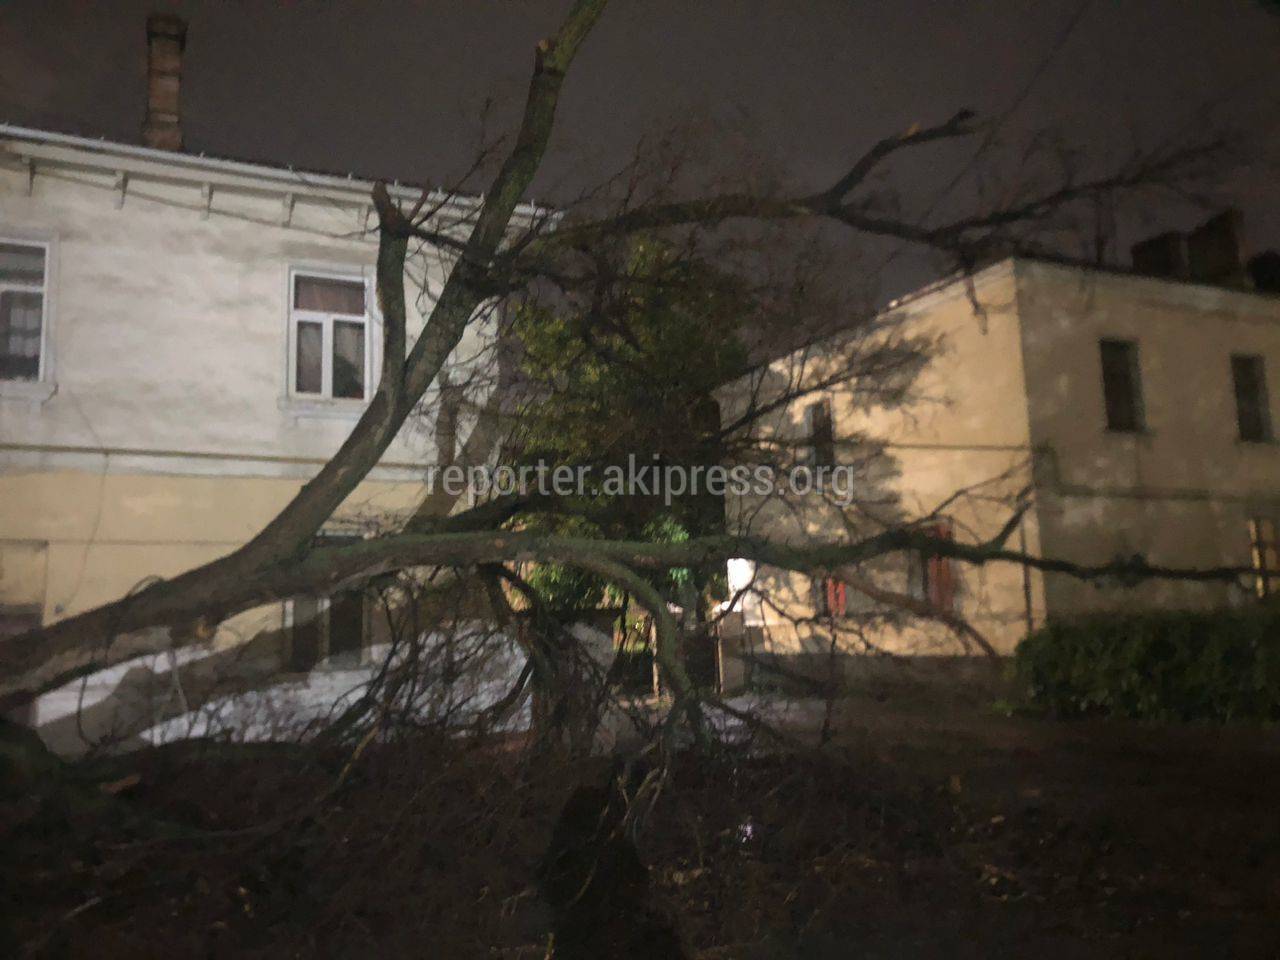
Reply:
x=22, y=300
x=329, y=319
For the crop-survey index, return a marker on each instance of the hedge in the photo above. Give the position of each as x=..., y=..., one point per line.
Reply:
x=1215, y=665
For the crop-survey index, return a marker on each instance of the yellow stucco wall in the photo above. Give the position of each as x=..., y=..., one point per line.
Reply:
x=71, y=540
x=1181, y=491
x=1012, y=397
x=960, y=447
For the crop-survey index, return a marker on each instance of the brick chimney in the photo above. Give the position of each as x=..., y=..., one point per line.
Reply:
x=166, y=36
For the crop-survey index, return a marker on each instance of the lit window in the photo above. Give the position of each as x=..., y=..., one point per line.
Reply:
x=1249, y=375
x=1265, y=556
x=22, y=302
x=1122, y=385
x=329, y=327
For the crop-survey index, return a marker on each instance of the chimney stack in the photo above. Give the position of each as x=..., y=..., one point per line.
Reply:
x=1264, y=271
x=1210, y=253
x=166, y=36
x=1164, y=255
x=1213, y=250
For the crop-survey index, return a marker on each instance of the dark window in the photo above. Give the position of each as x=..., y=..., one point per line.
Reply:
x=13, y=621
x=831, y=597
x=348, y=360
x=822, y=439
x=308, y=626
x=1253, y=417
x=333, y=628
x=1122, y=385
x=1265, y=556
x=328, y=628
x=346, y=627
x=933, y=577
x=21, y=310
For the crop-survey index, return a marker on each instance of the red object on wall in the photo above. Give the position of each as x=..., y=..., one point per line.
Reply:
x=837, y=596
x=940, y=580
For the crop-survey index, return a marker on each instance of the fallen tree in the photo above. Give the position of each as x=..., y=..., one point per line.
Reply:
x=492, y=262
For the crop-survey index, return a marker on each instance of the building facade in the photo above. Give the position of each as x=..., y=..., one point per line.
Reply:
x=1129, y=415
x=184, y=342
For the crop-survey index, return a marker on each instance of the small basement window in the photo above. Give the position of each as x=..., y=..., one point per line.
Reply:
x=329, y=337
x=23, y=272
x=1122, y=386
x=1253, y=415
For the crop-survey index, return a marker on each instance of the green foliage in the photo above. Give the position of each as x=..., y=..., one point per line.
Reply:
x=1218, y=665
x=566, y=590
x=562, y=589
x=634, y=374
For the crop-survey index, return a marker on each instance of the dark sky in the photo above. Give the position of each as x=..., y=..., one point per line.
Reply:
x=396, y=88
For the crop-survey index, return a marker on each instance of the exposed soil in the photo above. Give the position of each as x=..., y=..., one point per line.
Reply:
x=932, y=828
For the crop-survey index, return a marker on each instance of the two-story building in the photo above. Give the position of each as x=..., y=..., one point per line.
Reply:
x=1131, y=412
x=184, y=341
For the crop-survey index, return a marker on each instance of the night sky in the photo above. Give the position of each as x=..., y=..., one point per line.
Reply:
x=396, y=89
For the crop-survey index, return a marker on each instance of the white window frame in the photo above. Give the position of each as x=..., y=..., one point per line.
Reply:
x=41, y=388
x=325, y=397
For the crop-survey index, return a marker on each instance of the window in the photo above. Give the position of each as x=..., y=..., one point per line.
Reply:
x=831, y=597
x=13, y=621
x=932, y=578
x=329, y=330
x=332, y=629
x=1253, y=416
x=1265, y=556
x=1122, y=385
x=22, y=310
x=822, y=440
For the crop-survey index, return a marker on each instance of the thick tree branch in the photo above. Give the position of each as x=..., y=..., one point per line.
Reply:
x=327, y=570
x=46, y=658
x=961, y=236
x=957, y=126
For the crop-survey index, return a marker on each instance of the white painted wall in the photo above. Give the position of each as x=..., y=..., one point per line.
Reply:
x=169, y=320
